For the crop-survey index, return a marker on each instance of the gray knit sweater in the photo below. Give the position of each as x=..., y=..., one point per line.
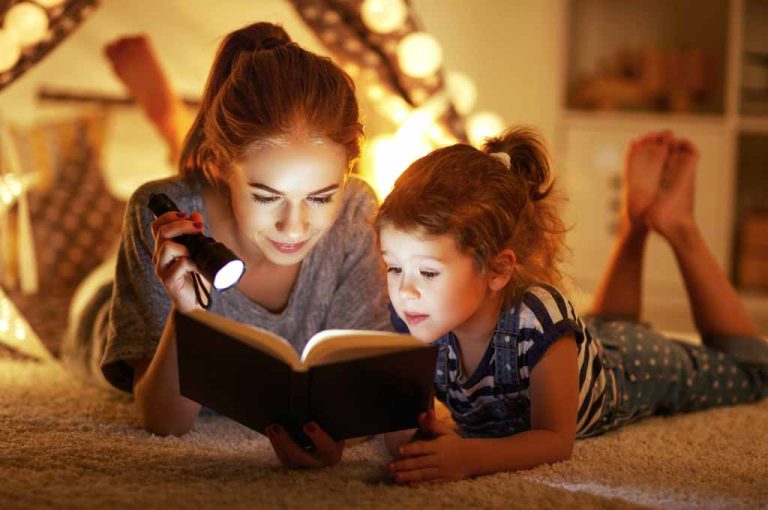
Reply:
x=340, y=283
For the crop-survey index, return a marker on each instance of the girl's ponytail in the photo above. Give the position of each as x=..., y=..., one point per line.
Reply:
x=528, y=158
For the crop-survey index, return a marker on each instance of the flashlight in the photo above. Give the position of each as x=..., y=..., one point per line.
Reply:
x=216, y=262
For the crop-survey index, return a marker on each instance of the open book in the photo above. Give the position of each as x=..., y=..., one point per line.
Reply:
x=352, y=383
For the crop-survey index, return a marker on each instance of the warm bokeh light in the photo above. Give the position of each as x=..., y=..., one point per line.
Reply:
x=395, y=108
x=28, y=22
x=9, y=50
x=384, y=16
x=12, y=325
x=389, y=156
x=419, y=55
x=50, y=3
x=462, y=90
x=481, y=125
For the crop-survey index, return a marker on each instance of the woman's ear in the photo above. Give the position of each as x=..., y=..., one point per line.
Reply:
x=502, y=267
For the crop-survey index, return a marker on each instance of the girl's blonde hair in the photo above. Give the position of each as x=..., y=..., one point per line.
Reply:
x=486, y=207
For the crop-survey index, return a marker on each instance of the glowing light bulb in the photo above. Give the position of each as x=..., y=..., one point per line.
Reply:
x=19, y=332
x=49, y=3
x=375, y=92
x=9, y=50
x=391, y=155
x=395, y=108
x=419, y=55
x=481, y=125
x=462, y=91
x=28, y=22
x=384, y=16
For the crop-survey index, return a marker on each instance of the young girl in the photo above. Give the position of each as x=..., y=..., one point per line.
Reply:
x=265, y=169
x=471, y=240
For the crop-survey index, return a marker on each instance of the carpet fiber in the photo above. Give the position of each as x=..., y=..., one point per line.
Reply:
x=67, y=445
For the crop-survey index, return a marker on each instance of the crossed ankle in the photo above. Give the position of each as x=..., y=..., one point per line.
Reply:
x=684, y=234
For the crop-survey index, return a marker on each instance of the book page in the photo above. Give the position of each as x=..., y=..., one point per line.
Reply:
x=336, y=345
x=261, y=339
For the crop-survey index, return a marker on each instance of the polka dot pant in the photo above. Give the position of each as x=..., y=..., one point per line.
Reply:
x=657, y=375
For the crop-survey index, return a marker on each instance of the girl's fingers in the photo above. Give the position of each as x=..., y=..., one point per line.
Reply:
x=424, y=461
x=416, y=485
x=417, y=448
x=433, y=426
x=417, y=475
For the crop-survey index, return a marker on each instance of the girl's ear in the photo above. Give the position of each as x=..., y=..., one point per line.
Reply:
x=502, y=267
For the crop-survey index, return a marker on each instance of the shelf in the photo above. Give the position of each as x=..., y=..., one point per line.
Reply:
x=630, y=118
x=651, y=55
x=753, y=124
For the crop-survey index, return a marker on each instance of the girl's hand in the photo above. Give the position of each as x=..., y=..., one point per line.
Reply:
x=327, y=452
x=172, y=263
x=443, y=458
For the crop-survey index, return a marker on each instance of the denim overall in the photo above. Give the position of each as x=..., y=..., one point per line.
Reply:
x=509, y=411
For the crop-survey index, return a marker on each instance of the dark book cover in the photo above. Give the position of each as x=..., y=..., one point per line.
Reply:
x=364, y=396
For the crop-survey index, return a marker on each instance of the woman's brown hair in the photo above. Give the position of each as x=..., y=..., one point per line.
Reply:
x=261, y=86
x=486, y=207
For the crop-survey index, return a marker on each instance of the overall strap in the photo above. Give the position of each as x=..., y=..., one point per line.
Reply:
x=505, y=344
x=441, y=366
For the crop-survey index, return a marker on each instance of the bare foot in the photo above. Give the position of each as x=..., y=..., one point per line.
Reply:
x=672, y=210
x=134, y=61
x=642, y=174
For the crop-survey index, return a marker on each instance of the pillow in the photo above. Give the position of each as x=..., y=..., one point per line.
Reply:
x=75, y=220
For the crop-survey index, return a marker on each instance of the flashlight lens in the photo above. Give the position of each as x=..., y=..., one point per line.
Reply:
x=229, y=274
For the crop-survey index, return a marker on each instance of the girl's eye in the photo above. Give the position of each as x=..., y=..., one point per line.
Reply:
x=394, y=270
x=321, y=200
x=429, y=274
x=265, y=200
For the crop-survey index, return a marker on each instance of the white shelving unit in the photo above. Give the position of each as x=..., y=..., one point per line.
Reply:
x=589, y=144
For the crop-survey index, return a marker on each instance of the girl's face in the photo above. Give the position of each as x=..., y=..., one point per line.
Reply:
x=286, y=196
x=433, y=287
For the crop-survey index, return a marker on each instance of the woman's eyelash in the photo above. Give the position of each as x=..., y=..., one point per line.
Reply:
x=265, y=200
x=321, y=200
x=395, y=270
x=429, y=274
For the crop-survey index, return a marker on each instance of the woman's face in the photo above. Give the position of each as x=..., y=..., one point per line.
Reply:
x=286, y=195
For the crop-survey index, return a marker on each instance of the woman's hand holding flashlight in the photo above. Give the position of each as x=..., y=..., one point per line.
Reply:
x=173, y=264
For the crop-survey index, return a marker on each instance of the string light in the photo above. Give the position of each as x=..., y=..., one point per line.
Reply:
x=419, y=55
x=10, y=51
x=31, y=29
x=49, y=4
x=28, y=22
x=383, y=16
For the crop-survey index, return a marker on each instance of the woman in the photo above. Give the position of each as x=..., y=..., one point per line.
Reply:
x=265, y=169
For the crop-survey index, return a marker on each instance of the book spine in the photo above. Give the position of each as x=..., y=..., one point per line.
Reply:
x=299, y=407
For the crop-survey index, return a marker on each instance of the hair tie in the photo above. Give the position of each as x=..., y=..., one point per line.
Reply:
x=503, y=157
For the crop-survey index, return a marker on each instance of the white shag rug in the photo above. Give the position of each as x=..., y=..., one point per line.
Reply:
x=67, y=445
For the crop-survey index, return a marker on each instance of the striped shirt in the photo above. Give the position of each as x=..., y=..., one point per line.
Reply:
x=494, y=401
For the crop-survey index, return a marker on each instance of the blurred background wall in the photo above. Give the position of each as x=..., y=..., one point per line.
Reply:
x=589, y=74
